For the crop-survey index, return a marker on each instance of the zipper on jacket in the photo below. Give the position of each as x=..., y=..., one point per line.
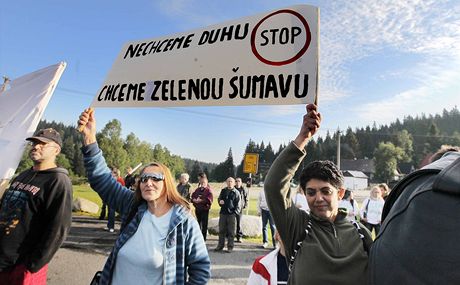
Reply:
x=334, y=230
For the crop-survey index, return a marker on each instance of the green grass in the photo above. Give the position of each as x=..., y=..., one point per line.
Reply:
x=85, y=191
x=215, y=208
x=252, y=210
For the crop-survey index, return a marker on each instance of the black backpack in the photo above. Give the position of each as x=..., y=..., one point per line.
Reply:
x=419, y=241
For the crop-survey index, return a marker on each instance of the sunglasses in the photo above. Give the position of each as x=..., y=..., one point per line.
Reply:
x=144, y=178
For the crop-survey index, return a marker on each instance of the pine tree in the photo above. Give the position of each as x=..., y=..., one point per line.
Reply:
x=196, y=169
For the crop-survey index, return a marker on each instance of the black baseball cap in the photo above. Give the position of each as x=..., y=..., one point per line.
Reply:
x=46, y=136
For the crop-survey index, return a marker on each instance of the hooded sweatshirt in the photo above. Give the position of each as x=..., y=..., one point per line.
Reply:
x=35, y=216
x=331, y=252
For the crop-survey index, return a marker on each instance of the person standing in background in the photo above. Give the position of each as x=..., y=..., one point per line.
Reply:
x=111, y=212
x=262, y=210
x=202, y=200
x=243, y=205
x=385, y=190
x=130, y=179
x=371, y=213
x=229, y=201
x=300, y=200
x=184, y=186
x=271, y=268
x=349, y=203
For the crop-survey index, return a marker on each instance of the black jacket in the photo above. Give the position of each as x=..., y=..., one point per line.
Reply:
x=35, y=216
x=418, y=240
x=231, y=199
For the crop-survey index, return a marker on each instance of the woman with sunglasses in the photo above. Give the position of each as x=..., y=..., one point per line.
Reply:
x=161, y=242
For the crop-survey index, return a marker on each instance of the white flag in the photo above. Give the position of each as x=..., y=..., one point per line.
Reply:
x=21, y=108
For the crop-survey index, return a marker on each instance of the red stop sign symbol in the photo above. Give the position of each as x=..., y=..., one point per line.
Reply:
x=286, y=38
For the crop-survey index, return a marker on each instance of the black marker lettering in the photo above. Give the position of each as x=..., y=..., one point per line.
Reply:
x=99, y=98
x=297, y=86
x=265, y=38
x=141, y=91
x=226, y=33
x=139, y=50
x=182, y=90
x=271, y=86
x=284, y=86
x=205, y=84
x=194, y=87
x=244, y=34
x=131, y=50
x=157, y=84
x=234, y=88
x=121, y=95
x=258, y=81
x=144, y=53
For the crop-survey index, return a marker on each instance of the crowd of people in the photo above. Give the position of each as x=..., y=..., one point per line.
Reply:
x=320, y=234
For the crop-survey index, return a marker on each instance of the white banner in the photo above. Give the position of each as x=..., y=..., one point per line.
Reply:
x=21, y=108
x=268, y=59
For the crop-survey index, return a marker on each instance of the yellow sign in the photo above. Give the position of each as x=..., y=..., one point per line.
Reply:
x=251, y=163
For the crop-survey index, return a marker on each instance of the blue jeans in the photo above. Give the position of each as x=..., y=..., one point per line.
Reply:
x=266, y=217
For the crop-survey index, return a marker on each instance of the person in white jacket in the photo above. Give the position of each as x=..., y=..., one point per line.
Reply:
x=300, y=201
x=348, y=202
x=371, y=211
x=271, y=268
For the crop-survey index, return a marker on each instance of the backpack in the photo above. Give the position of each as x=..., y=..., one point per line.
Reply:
x=419, y=239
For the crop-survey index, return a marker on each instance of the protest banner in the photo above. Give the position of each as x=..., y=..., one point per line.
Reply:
x=21, y=108
x=267, y=59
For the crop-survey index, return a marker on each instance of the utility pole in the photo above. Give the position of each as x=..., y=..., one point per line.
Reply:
x=338, y=148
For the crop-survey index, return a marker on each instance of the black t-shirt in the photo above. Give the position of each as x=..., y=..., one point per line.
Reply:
x=35, y=215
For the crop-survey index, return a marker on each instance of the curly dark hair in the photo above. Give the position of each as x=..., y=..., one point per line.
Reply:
x=441, y=151
x=324, y=170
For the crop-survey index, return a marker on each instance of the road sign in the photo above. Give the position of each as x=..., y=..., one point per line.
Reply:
x=251, y=163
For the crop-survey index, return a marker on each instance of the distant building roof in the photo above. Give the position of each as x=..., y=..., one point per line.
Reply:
x=425, y=160
x=352, y=173
x=363, y=165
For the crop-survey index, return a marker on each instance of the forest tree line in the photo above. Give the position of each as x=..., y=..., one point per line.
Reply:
x=409, y=140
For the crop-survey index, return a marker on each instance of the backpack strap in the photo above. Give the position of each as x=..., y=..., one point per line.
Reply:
x=366, y=209
x=307, y=233
x=299, y=244
x=361, y=235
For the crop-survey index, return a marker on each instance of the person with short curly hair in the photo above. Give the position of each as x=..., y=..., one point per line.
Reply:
x=322, y=247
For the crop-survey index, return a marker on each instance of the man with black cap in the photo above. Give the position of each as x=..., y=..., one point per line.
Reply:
x=35, y=213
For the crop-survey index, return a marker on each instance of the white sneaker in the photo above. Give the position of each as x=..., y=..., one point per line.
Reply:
x=111, y=230
x=265, y=245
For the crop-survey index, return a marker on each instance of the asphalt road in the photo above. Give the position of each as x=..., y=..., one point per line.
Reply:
x=87, y=247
